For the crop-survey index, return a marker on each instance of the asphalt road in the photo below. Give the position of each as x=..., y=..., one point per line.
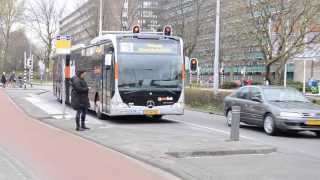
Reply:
x=306, y=142
x=297, y=156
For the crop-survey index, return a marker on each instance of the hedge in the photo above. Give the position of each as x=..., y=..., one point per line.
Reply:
x=197, y=98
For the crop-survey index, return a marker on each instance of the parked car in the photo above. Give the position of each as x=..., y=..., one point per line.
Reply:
x=274, y=108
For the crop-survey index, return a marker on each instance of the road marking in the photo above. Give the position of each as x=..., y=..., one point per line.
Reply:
x=55, y=112
x=44, y=105
x=214, y=130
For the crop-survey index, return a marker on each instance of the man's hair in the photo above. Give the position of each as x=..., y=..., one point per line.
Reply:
x=80, y=72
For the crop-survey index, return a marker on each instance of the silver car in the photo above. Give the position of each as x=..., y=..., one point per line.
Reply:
x=274, y=108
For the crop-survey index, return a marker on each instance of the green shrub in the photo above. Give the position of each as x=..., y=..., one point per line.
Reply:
x=298, y=85
x=197, y=98
x=257, y=83
x=229, y=85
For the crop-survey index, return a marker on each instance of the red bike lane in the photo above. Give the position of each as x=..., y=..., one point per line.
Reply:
x=53, y=154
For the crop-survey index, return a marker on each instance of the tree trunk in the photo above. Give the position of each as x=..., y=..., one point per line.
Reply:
x=279, y=76
x=268, y=76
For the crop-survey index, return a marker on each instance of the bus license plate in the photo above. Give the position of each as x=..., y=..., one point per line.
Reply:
x=313, y=122
x=152, y=112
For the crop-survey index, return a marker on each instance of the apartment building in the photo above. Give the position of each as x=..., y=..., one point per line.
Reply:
x=83, y=23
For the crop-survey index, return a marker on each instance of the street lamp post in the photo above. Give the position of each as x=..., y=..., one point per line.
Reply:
x=217, y=49
x=100, y=19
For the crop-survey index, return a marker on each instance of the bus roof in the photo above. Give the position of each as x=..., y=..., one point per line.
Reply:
x=142, y=35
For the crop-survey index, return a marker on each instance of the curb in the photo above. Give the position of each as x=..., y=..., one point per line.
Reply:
x=257, y=151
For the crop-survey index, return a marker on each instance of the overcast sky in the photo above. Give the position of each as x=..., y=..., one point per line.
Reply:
x=70, y=5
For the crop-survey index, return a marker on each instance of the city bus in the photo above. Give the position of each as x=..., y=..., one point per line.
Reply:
x=129, y=74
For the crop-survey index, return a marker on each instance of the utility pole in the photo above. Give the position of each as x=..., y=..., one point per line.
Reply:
x=217, y=49
x=25, y=71
x=100, y=19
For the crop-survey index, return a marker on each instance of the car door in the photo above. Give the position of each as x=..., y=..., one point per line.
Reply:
x=243, y=98
x=255, y=107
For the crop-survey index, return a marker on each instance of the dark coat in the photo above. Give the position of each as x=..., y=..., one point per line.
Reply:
x=3, y=79
x=79, y=94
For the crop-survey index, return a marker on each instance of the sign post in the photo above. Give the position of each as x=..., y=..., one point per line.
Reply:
x=63, y=47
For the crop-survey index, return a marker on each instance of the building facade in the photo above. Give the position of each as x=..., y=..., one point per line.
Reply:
x=239, y=53
x=118, y=15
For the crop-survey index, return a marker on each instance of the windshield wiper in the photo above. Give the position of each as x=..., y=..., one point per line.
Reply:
x=169, y=90
x=140, y=90
x=134, y=91
x=299, y=101
x=278, y=101
x=289, y=101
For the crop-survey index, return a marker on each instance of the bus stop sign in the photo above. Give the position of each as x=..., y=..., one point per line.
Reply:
x=63, y=45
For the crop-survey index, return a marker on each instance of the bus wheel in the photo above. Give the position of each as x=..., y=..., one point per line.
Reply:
x=98, y=110
x=158, y=117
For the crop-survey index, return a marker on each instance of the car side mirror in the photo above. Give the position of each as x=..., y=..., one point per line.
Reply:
x=108, y=61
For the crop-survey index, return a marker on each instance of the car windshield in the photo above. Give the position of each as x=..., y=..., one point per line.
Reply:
x=284, y=95
x=150, y=64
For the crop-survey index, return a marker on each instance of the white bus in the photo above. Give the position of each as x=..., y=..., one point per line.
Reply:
x=131, y=74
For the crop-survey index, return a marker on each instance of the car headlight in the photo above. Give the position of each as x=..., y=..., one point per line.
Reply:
x=290, y=114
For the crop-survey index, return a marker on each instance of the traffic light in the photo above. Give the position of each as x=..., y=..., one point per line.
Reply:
x=136, y=29
x=194, y=65
x=167, y=30
x=30, y=63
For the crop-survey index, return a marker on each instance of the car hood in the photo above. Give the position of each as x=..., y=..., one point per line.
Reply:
x=296, y=106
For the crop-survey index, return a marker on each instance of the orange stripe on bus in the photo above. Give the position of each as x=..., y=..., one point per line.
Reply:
x=116, y=71
x=67, y=72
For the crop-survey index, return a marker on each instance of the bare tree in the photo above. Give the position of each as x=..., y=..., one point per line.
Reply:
x=128, y=14
x=10, y=13
x=184, y=25
x=44, y=16
x=282, y=30
x=16, y=50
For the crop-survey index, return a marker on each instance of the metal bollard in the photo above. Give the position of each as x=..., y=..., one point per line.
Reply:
x=235, y=125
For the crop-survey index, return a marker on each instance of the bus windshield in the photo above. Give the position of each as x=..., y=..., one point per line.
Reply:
x=146, y=64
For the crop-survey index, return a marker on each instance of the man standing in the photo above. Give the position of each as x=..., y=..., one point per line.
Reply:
x=3, y=79
x=80, y=99
x=12, y=79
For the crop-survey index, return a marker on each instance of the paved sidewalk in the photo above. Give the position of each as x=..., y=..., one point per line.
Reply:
x=12, y=169
x=57, y=155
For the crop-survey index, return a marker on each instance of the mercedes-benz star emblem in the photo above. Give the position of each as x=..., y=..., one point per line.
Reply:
x=150, y=104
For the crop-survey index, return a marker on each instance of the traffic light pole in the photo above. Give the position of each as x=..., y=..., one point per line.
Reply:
x=217, y=49
x=25, y=71
x=100, y=18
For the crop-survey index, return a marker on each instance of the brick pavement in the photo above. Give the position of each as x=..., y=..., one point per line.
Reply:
x=57, y=155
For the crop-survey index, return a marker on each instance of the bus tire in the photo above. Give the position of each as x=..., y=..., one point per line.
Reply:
x=157, y=117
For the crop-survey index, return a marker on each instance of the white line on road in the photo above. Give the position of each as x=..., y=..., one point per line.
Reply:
x=44, y=105
x=56, y=113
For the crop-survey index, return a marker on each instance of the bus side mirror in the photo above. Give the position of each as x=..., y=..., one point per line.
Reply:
x=108, y=61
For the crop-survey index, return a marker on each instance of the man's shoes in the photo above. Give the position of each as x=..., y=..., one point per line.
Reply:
x=85, y=128
x=79, y=129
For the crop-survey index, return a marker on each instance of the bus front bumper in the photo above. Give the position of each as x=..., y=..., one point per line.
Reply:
x=125, y=110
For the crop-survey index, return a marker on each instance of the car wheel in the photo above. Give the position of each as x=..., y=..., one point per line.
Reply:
x=317, y=133
x=229, y=118
x=269, y=125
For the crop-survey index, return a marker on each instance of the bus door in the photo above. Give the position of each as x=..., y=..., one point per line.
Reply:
x=108, y=80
